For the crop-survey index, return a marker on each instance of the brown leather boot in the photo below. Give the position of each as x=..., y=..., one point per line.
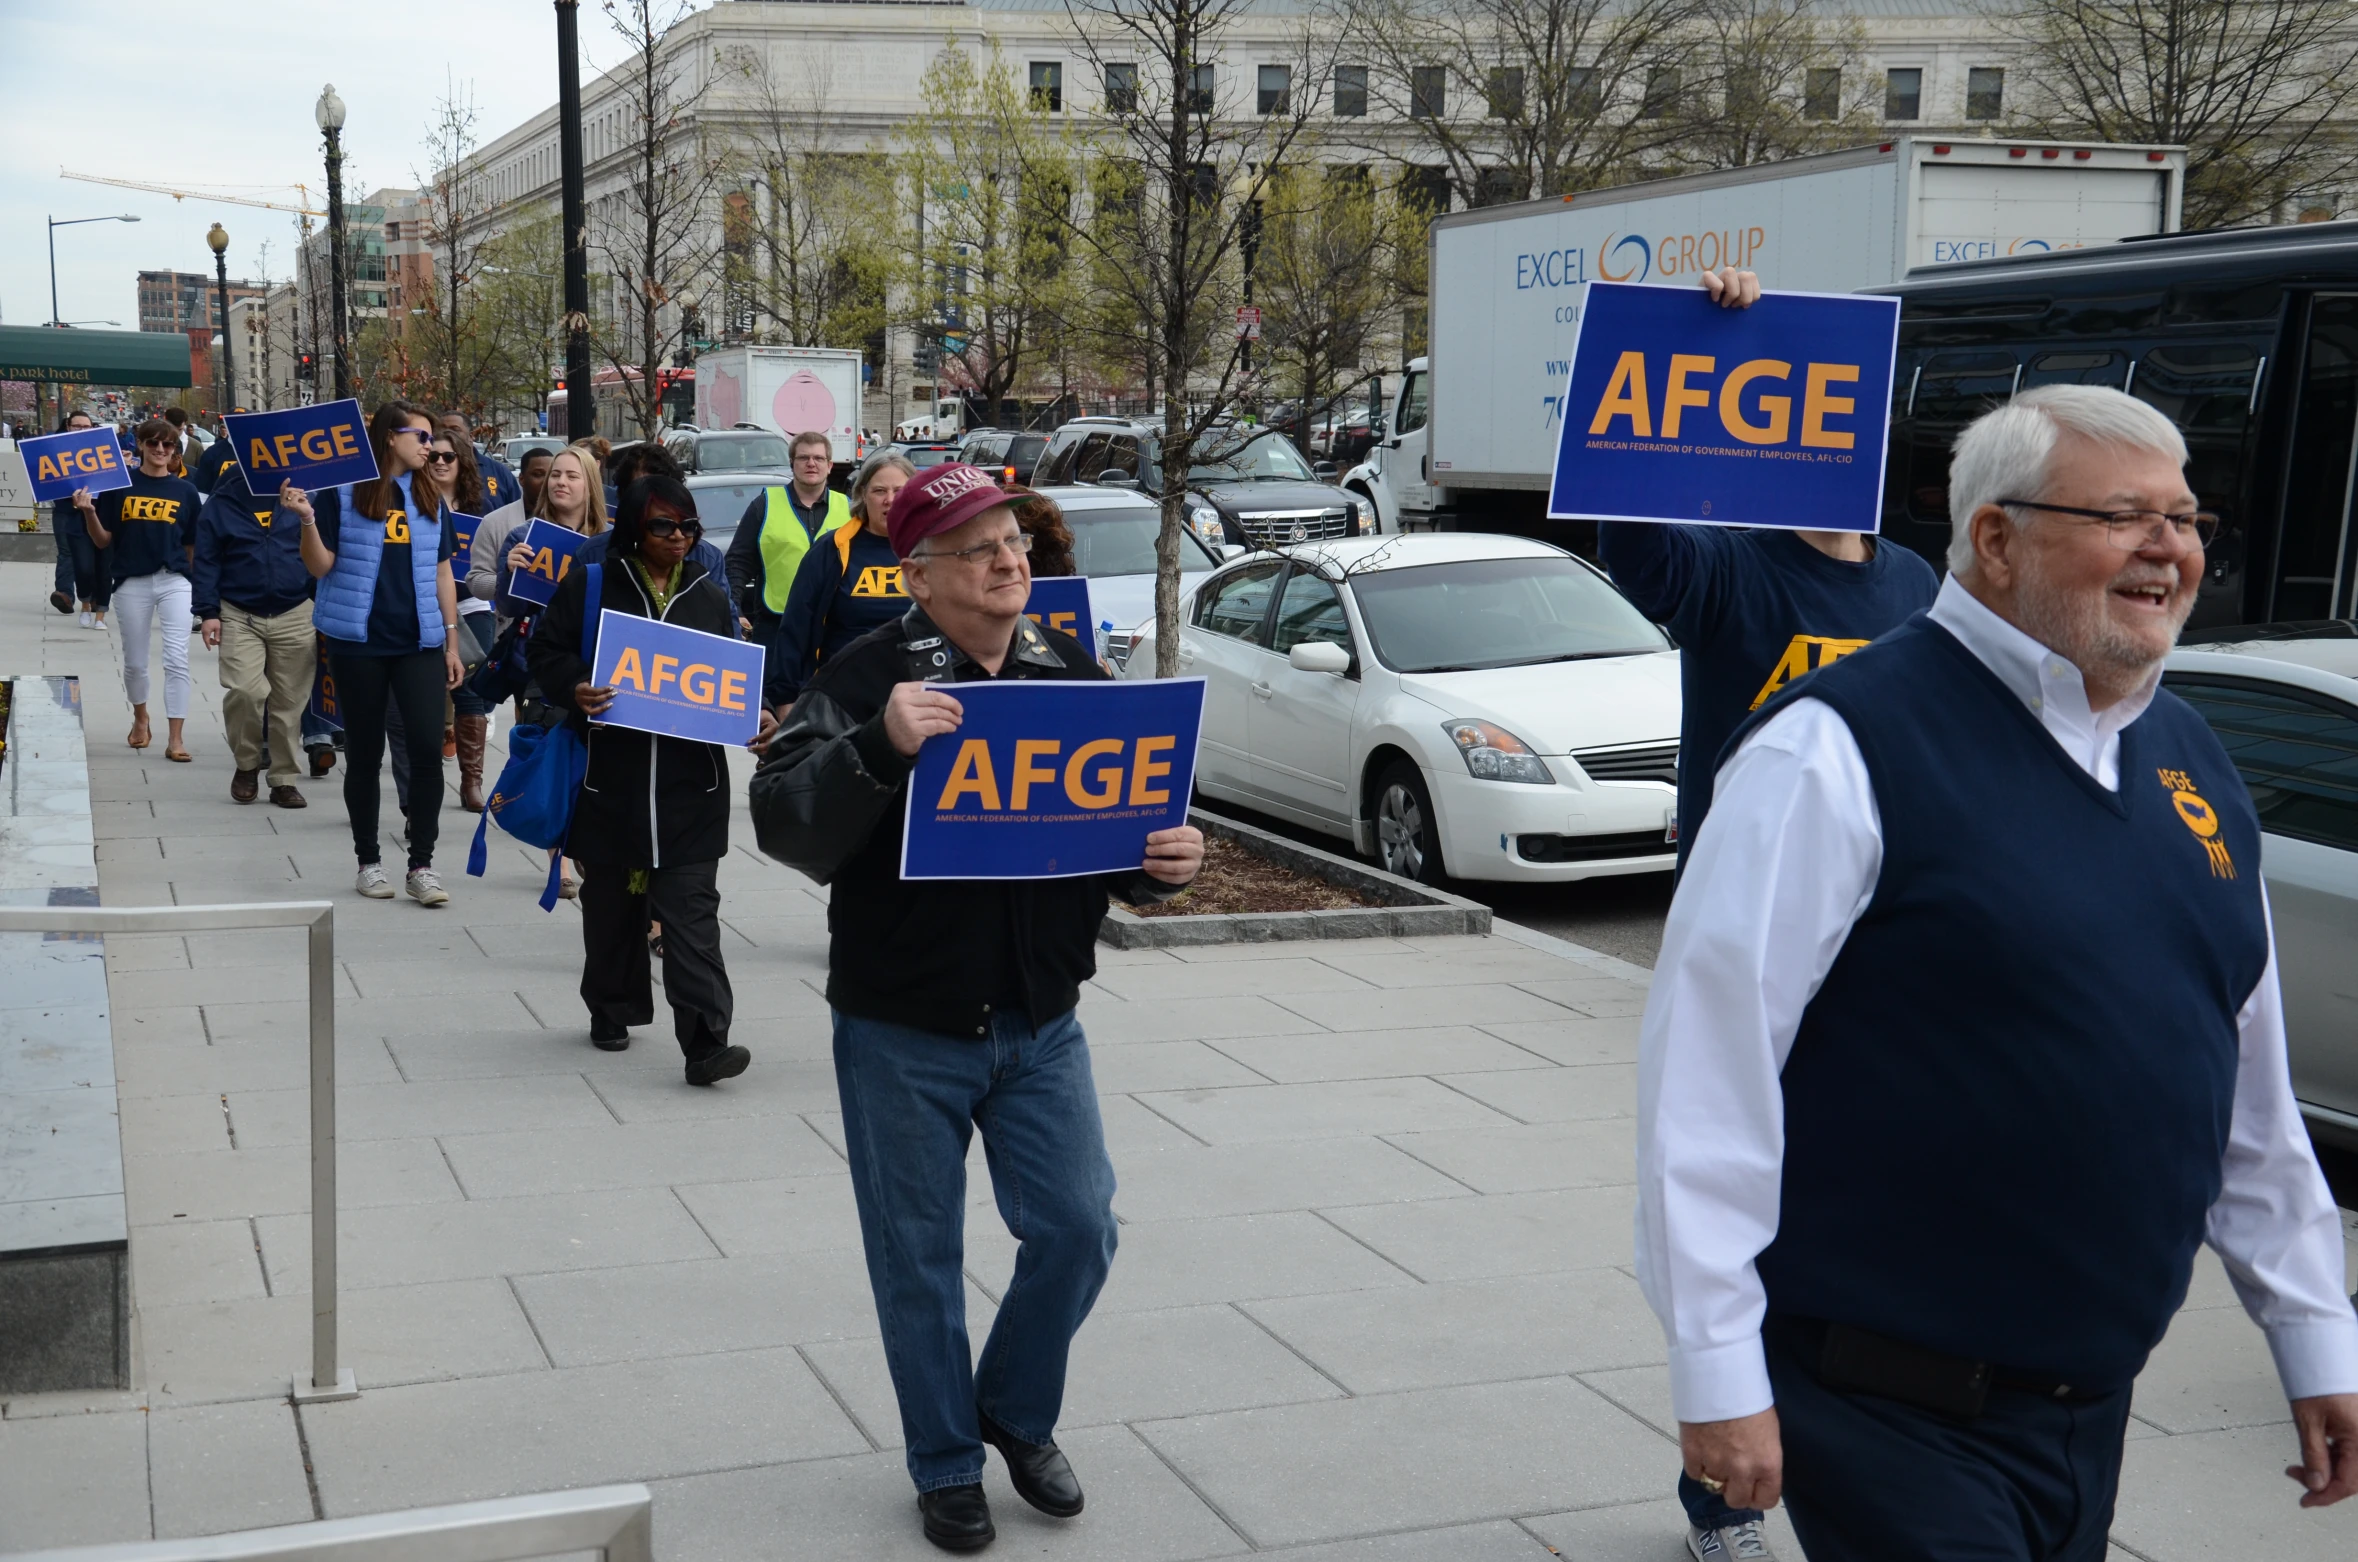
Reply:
x=472, y=733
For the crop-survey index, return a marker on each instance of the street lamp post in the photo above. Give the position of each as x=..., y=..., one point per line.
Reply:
x=56, y=391
x=329, y=113
x=581, y=413
x=218, y=242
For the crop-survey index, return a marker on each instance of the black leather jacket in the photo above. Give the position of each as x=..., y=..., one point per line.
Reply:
x=936, y=954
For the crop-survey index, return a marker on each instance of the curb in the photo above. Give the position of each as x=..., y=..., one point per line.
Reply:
x=1413, y=910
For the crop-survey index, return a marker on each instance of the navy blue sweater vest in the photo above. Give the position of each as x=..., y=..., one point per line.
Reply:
x=2007, y=1106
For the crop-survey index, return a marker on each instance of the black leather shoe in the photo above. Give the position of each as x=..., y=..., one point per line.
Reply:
x=609, y=1036
x=713, y=1067
x=957, y=1518
x=1041, y=1474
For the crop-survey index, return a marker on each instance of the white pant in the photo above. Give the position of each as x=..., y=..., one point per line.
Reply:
x=139, y=606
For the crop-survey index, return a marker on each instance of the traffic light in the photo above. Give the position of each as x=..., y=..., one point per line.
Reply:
x=303, y=370
x=926, y=356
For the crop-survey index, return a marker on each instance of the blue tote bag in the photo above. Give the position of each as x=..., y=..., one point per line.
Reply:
x=534, y=797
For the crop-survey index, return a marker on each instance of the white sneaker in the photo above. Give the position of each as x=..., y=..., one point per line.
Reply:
x=425, y=888
x=85, y=620
x=372, y=881
x=1743, y=1542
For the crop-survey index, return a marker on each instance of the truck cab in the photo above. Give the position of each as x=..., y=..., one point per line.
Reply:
x=1396, y=477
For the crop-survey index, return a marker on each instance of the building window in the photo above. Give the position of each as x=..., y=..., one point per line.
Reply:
x=1498, y=186
x=1903, y=94
x=1202, y=90
x=1506, y=92
x=1661, y=93
x=1276, y=86
x=1048, y=86
x=1428, y=91
x=1821, y=93
x=1985, y=92
x=1582, y=91
x=1425, y=188
x=1121, y=89
x=1350, y=91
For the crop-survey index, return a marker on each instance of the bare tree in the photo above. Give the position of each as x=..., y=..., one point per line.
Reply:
x=1180, y=188
x=808, y=256
x=989, y=169
x=2259, y=92
x=657, y=238
x=458, y=343
x=1519, y=99
x=522, y=272
x=1325, y=276
x=1776, y=79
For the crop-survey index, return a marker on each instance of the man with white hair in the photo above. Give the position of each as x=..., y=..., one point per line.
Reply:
x=1966, y=1032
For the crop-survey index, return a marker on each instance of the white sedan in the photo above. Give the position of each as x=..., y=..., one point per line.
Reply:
x=1486, y=706
x=1114, y=532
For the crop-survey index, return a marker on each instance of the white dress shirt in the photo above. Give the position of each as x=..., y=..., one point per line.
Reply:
x=1787, y=864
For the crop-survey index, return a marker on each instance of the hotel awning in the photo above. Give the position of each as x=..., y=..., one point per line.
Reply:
x=75, y=357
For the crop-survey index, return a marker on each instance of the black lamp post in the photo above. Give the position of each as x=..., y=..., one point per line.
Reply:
x=329, y=113
x=218, y=242
x=581, y=412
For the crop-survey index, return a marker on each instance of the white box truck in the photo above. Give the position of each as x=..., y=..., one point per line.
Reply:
x=1470, y=438
x=788, y=390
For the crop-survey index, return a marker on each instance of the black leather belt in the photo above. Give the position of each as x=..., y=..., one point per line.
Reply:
x=1859, y=1361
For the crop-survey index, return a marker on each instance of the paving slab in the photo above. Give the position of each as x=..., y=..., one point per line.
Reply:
x=2223, y=1497
x=1528, y=1158
x=1241, y=1258
x=1195, y=1181
x=1640, y=1532
x=1350, y=1108
x=408, y=1244
x=73, y=1480
x=1447, y=1049
x=1421, y=1460
x=276, y=1180
x=1404, y=1007
x=1560, y=1095
x=1502, y=1234
x=643, y=1311
x=226, y=1467
x=637, y=1155
x=1574, y=1039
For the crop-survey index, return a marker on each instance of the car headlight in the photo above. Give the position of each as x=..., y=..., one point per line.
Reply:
x=1204, y=521
x=1494, y=754
x=1362, y=515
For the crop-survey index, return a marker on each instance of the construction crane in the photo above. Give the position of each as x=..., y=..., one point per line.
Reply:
x=210, y=193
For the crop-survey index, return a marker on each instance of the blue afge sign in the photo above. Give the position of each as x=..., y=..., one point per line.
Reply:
x=1051, y=780
x=1679, y=410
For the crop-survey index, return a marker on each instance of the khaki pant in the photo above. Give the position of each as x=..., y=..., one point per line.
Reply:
x=266, y=674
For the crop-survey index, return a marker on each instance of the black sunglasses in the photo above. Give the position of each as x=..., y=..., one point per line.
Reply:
x=444, y=455
x=665, y=526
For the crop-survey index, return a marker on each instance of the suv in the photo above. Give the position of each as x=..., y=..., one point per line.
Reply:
x=1013, y=456
x=729, y=450
x=1247, y=484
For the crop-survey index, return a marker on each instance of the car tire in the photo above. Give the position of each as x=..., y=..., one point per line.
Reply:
x=1408, y=837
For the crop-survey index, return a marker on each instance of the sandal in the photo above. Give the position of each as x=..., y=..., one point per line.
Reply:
x=655, y=942
x=141, y=736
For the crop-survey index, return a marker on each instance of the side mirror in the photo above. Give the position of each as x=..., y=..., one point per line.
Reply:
x=1319, y=656
x=1323, y=469
x=1115, y=477
x=1232, y=550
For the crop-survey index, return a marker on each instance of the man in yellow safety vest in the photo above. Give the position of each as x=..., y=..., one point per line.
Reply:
x=778, y=529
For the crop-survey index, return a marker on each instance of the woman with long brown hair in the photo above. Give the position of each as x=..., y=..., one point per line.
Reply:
x=464, y=490
x=388, y=609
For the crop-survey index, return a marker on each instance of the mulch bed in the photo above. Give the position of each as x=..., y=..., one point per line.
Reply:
x=1236, y=880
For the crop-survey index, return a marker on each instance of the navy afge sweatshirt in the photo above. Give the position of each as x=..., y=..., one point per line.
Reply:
x=1751, y=611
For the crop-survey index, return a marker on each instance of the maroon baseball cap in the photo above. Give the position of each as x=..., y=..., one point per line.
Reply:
x=941, y=498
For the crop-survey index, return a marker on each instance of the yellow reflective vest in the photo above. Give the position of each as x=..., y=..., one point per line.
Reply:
x=784, y=542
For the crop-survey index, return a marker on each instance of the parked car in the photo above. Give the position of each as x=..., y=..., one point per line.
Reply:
x=730, y=450
x=2286, y=709
x=1012, y=454
x=1483, y=705
x=722, y=497
x=923, y=453
x=1247, y=485
x=1114, y=532
x=513, y=451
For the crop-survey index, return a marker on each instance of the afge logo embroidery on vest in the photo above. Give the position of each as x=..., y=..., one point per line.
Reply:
x=2201, y=818
x=397, y=526
x=1806, y=654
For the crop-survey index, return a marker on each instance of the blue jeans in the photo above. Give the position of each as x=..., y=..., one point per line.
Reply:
x=910, y=1102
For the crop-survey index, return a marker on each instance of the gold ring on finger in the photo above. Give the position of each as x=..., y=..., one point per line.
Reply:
x=1711, y=1484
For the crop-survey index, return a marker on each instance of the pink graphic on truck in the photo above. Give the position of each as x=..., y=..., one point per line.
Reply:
x=803, y=404
x=728, y=401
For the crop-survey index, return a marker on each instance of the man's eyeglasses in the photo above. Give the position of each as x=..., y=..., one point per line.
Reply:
x=2130, y=530
x=665, y=526
x=1018, y=545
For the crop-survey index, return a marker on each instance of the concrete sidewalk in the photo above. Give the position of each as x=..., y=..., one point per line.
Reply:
x=1373, y=1300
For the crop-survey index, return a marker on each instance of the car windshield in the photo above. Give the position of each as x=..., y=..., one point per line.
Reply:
x=929, y=455
x=1121, y=542
x=1497, y=613
x=720, y=506
x=1264, y=458
x=753, y=453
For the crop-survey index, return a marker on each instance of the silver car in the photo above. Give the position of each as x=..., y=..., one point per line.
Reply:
x=2286, y=710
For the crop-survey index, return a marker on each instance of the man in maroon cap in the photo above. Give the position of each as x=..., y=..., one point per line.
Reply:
x=954, y=1007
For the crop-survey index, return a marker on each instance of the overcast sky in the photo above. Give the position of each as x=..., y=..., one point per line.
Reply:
x=221, y=93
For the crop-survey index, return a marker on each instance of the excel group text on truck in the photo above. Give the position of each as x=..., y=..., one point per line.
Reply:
x=1470, y=438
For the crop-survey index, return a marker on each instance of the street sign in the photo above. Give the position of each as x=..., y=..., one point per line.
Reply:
x=1248, y=323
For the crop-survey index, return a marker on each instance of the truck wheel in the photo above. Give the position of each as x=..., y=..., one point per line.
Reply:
x=1408, y=839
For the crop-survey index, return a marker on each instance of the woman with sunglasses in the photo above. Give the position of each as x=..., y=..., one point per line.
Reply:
x=849, y=583
x=652, y=820
x=456, y=474
x=148, y=530
x=388, y=610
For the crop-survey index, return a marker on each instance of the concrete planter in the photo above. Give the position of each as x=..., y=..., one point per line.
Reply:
x=1409, y=909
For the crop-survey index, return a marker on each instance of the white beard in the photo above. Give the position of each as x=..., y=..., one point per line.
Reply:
x=2077, y=626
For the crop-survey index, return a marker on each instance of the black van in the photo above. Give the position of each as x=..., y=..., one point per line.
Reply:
x=2247, y=339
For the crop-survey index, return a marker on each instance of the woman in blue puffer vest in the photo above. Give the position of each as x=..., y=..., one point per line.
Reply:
x=388, y=608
